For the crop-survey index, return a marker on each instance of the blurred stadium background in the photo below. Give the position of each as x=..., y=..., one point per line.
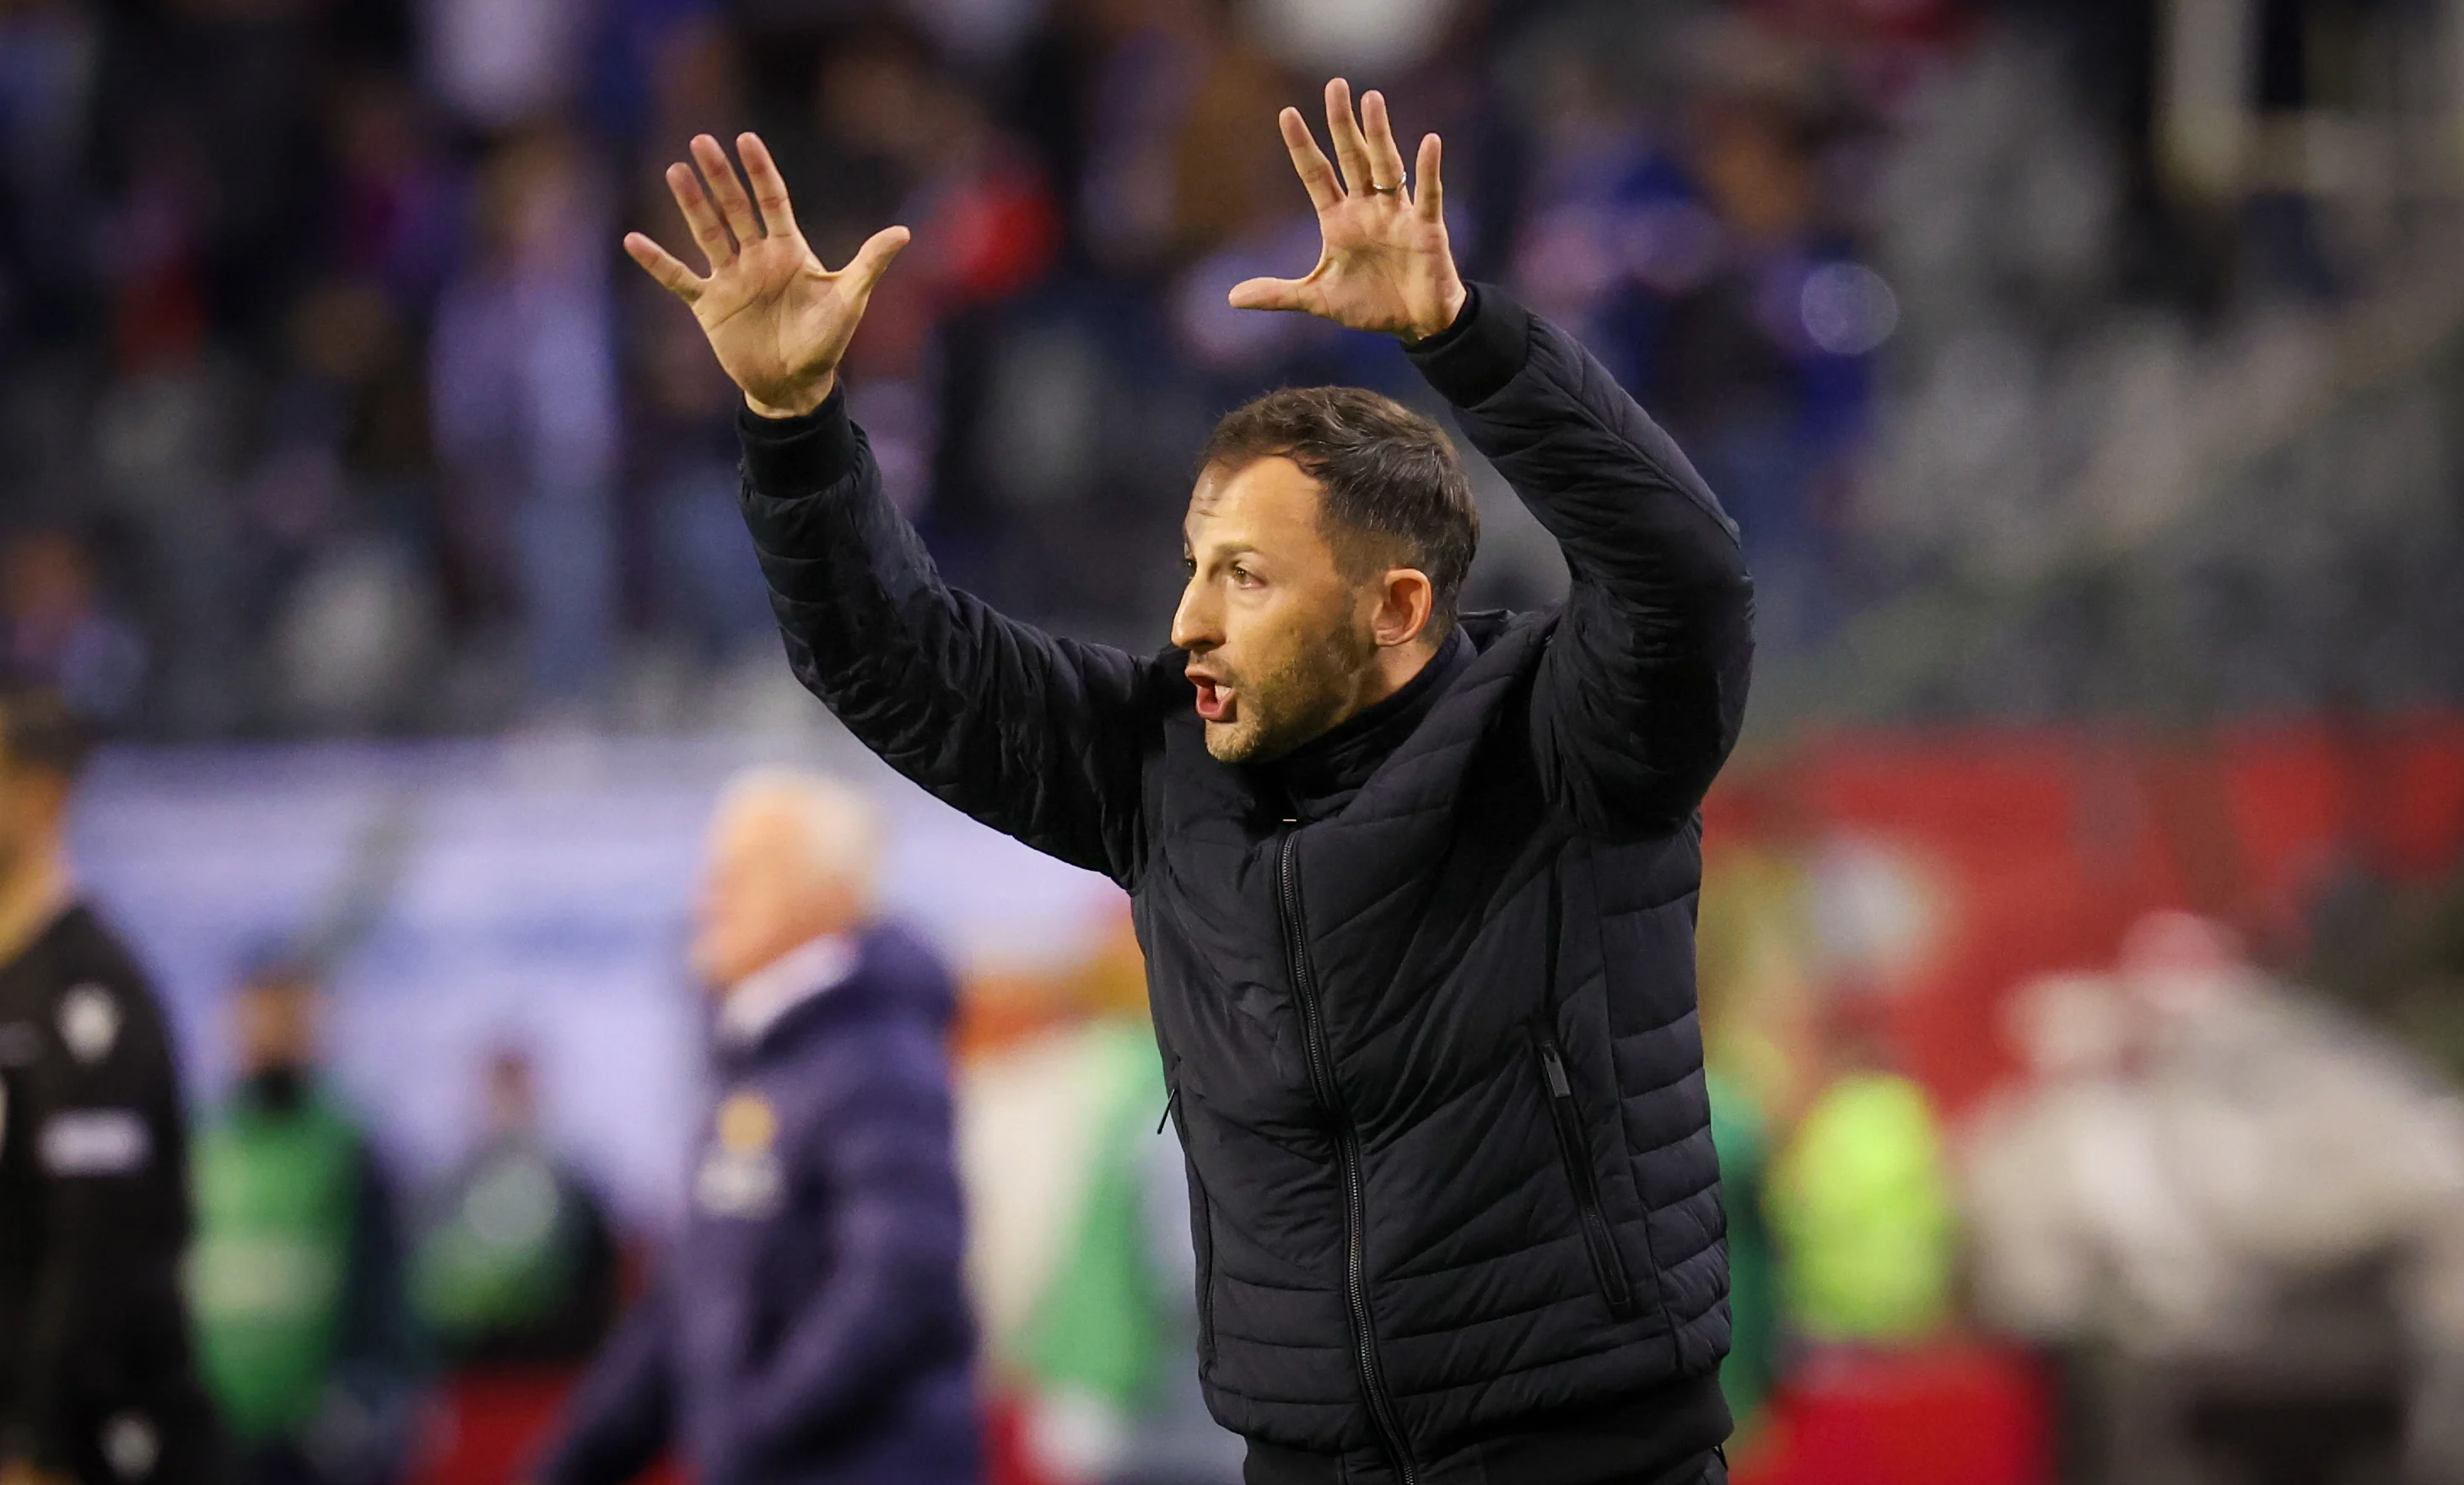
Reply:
x=2085, y=376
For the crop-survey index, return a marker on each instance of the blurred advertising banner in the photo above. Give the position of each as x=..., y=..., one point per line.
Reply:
x=1935, y=870
x=534, y=894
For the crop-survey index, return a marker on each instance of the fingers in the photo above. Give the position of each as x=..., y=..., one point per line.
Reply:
x=661, y=264
x=1315, y=173
x=1385, y=157
x=726, y=188
x=1351, y=151
x=717, y=245
x=1266, y=293
x=873, y=259
x=1429, y=196
x=769, y=186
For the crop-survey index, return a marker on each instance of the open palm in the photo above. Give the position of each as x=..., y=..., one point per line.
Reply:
x=779, y=322
x=1384, y=264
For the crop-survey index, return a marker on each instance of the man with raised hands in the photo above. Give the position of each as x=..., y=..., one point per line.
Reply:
x=1415, y=887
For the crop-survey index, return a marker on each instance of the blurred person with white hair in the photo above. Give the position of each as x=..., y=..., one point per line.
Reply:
x=812, y=1324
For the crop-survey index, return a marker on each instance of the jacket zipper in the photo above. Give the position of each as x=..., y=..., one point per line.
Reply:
x=1347, y=1146
x=1606, y=1265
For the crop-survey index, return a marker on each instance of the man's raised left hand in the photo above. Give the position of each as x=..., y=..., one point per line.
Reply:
x=1384, y=264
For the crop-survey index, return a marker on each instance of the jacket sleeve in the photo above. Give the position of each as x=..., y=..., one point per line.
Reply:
x=1039, y=737
x=882, y=1148
x=1642, y=690
x=619, y=1418
x=109, y=1148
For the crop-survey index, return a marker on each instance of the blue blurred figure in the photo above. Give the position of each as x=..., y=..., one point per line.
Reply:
x=813, y=1326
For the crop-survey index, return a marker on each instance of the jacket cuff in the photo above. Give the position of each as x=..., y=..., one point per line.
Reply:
x=798, y=455
x=1472, y=360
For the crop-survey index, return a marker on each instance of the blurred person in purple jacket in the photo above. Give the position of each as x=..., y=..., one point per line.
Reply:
x=812, y=1326
x=527, y=421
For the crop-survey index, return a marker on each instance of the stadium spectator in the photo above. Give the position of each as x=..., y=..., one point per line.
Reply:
x=522, y=382
x=515, y=1264
x=1890, y=270
x=812, y=1325
x=301, y=1317
x=58, y=631
x=1860, y=1199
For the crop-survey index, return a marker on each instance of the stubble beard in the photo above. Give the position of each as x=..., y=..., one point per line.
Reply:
x=1298, y=700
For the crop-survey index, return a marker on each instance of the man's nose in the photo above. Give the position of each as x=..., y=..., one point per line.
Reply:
x=1194, y=625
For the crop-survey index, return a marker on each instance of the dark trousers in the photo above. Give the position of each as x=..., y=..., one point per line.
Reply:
x=1666, y=1436
x=1267, y=1465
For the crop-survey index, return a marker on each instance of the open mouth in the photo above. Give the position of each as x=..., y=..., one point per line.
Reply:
x=1214, y=699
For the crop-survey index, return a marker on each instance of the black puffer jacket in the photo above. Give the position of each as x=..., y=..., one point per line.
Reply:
x=1433, y=1054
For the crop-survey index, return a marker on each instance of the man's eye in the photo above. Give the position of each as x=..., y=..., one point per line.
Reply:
x=1241, y=575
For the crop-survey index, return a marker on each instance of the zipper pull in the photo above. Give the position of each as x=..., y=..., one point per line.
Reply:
x=1171, y=1101
x=1556, y=1066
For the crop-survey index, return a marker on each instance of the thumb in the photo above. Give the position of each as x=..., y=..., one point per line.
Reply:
x=874, y=258
x=1266, y=293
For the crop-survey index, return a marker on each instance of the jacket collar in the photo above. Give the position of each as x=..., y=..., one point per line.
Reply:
x=758, y=1002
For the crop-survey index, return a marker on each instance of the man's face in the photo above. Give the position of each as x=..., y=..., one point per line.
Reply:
x=1280, y=641
x=273, y=1024
x=761, y=897
x=513, y=1093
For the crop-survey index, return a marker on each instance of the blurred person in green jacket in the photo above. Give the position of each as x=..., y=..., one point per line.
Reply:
x=513, y=1265
x=1862, y=1201
x=302, y=1326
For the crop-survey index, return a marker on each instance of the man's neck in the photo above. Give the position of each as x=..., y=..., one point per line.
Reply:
x=1392, y=669
x=33, y=891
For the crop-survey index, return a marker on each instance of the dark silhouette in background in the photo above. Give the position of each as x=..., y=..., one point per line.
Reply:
x=514, y=1264
x=97, y=1372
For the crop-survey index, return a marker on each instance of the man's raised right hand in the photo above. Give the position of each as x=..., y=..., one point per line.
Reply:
x=777, y=319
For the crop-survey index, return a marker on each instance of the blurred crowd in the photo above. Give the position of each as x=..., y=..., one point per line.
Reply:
x=327, y=404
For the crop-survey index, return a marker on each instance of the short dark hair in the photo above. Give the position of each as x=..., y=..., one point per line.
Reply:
x=1394, y=487
x=38, y=729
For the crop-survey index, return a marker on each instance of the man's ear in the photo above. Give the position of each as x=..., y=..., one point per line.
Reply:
x=1405, y=601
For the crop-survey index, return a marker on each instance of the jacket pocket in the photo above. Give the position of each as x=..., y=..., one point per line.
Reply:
x=1574, y=1150
x=1201, y=1235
